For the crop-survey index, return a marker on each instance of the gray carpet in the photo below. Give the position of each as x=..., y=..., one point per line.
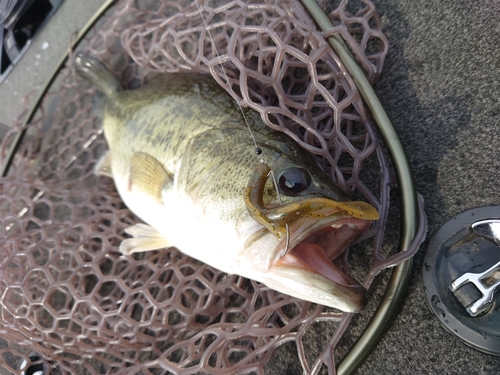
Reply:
x=441, y=88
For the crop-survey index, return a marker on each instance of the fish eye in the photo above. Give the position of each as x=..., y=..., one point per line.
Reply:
x=293, y=180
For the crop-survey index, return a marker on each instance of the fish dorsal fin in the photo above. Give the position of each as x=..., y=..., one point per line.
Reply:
x=145, y=238
x=149, y=175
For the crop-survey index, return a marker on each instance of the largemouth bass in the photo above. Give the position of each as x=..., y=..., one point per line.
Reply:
x=185, y=162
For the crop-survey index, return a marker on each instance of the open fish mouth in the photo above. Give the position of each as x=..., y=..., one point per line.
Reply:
x=313, y=231
x=312, y=247
x=321, y=243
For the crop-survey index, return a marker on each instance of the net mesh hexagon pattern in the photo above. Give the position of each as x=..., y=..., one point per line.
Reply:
x=70, y=301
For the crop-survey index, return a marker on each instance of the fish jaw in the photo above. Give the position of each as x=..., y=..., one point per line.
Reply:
x=301, y=265
x=293, y=278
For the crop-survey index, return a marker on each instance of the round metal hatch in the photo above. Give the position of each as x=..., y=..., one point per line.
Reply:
x=461, y=265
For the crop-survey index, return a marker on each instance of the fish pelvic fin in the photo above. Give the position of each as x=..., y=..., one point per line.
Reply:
x=149, y=175
x=144, y=238
x=95, y=72
x=103, y=166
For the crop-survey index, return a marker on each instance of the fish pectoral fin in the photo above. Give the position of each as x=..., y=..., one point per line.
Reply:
x=149, y=175
x=103, y=166
x=145, y=238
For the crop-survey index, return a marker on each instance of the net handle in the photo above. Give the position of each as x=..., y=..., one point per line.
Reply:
x=408, y=196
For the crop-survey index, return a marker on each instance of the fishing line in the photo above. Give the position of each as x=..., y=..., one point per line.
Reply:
x=258, y=150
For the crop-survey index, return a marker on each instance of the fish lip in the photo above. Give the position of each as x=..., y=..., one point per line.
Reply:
x=300, y=282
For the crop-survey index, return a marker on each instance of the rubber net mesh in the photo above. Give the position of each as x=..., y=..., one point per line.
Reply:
x=72, y=303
